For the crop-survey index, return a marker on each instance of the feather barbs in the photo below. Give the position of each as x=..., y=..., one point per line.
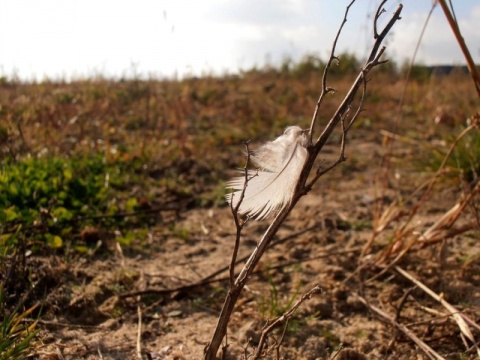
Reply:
x=271, y=185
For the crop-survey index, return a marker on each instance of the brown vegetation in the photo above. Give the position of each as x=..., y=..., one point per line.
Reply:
x=163, y=257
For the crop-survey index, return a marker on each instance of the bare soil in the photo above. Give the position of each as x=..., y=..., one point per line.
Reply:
x=91, y=310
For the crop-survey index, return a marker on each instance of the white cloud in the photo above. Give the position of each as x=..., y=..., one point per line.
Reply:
x=65, y=37
x=438, y=45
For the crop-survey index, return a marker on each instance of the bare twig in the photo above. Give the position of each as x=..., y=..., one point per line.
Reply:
x=432, y=354
x=234, y=293
x=456, y=314
x=403, y=300
x=341, y=158
x=281, y=319
x=340, y=348
x=372, y=61
x=20, y=131
x=325, y=89
x=238, y=223
x=65, y=325
x=279, y=343
x=380, y=11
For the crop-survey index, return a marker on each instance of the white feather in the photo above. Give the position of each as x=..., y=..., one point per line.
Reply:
x=271, y=185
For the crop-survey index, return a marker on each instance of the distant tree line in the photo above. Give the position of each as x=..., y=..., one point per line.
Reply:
x=349, y=64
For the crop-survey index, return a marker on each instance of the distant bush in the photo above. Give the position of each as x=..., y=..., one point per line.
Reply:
x=347, y=64
x=417, y=72
x=307, y=66
x=313, y=65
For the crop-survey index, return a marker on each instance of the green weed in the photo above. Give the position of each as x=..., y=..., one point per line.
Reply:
x=274, y=303
x=16, y=336
x=48, y=197
x=462, y=163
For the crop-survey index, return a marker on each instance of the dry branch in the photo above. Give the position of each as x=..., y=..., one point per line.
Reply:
x=457, y=315
x=432, y=354
x=302, y=187
x=239, y=224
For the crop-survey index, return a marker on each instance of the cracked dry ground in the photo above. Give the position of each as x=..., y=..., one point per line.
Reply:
x=320, y=243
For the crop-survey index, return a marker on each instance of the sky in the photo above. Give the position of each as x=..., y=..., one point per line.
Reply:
x=68, y=39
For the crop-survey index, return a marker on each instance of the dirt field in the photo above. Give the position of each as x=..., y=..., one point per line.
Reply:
x=92, y=308
x=324, y=238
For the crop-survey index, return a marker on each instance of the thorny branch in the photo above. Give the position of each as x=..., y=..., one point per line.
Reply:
x=301, y=188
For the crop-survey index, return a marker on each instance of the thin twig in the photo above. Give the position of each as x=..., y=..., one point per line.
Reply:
x=341, y=158
x=456, y=314
x=432, y=354
x=238, y=223
x=380, y=11
x=280, y=319
x=139, y=333
x=66, y=325
x=403, y=300
x=325, y=88
x=339, y=115
x=279, y=343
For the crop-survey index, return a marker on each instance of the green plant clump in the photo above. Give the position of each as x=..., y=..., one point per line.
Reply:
x=15, y=335
x=52, y=193
x=463, y=162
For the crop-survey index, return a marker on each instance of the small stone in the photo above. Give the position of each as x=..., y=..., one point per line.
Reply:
x=175, y=313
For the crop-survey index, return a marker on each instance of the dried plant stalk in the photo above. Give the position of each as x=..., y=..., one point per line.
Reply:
x=472, y=68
